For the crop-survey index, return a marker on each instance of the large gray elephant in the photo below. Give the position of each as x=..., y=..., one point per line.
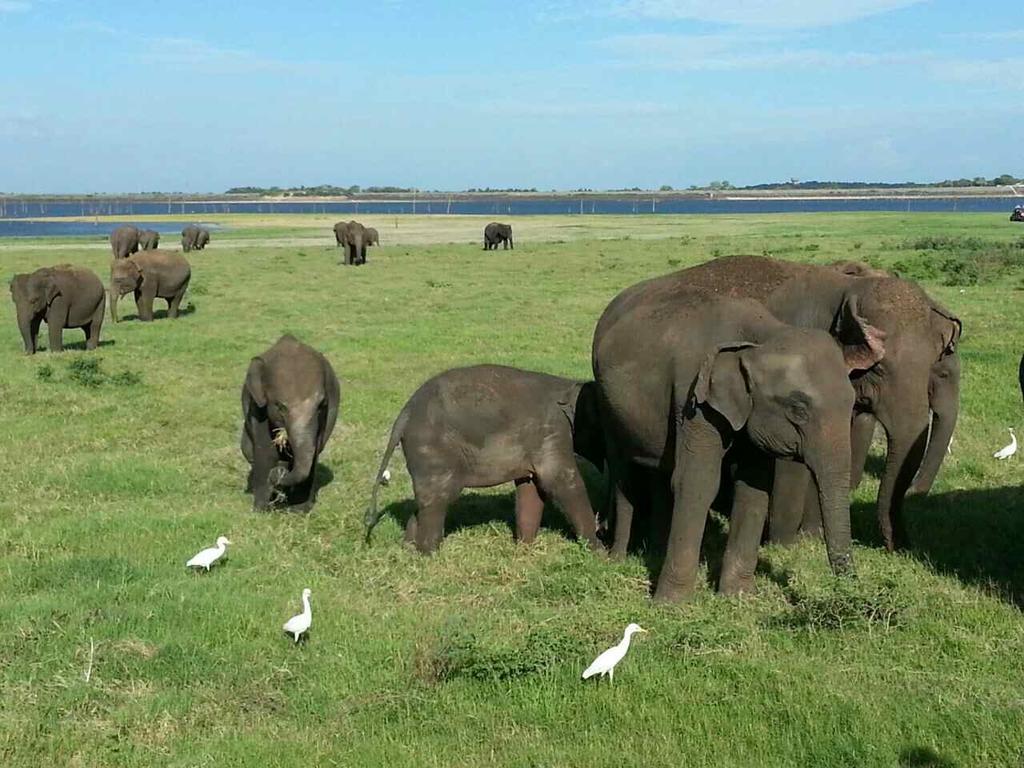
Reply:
x=149, y=239
x=65, y=297
x=372, y=236
x=124, y=241
x=918, y=333
x=290, y=403
x=684, y=375
x=495, y=233
x=943, y=402
x=150, y=275
x=194, y=238
x=489, y=424
x=352, y=236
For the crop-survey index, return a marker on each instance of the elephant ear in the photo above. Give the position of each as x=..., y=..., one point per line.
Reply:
x=52, y=290
x=567, y=402
x=724, y=385
x=254, y=382
x=950, y=328
x=863, y=344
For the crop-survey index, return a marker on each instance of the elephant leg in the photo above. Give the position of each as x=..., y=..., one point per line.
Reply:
x=432, y=500
x=529, y=510
x=695, y=480
x=862, y=432
x=92, y=331
x=56, y=318
x=746, y=524
x=789, y=489
x=812, y=523
x=174, y=303
x=302, y=496
x=145, y=304
x=565, y=485
x=260, y=452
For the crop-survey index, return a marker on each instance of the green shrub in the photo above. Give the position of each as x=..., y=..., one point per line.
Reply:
x=45, y=372
x=86, y=372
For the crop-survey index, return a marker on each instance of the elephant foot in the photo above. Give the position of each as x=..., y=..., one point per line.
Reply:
x=672, y=593
x=734, y=584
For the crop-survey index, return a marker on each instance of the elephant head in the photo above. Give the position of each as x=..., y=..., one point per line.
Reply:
x=896, y=390
x=32, y=294
x=291, y=406
x=125, y=277
x=791, y=395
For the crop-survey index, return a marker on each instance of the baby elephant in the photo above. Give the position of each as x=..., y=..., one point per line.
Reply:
x=149, y=239
x=486, y=425
x=290, y=403
x=150, y=275
x=65, y=297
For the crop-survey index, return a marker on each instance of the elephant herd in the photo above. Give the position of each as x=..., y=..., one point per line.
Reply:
x=126, y=240
x=354, y=238
x=745, y=381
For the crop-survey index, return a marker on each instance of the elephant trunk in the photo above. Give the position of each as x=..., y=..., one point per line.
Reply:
x=114, y=296
x=906, y=446
x=25, y=326
x=831, y=471
x=945, y=405
x=301, y=437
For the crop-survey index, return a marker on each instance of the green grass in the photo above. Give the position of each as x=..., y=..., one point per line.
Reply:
x=116, y=473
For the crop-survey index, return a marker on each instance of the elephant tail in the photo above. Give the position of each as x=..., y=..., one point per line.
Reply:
x=373, y=514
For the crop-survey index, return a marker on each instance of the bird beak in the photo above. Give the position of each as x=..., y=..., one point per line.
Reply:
x=643, y=630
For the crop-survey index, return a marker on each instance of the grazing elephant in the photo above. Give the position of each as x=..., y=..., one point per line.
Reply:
x=194, y=238
x=352, y=236
x=150, y=275
x=65, y=297
x=918, y=333
x=1018, y=214
x=372, y=236
x=495, y=233
x=684, y=375
x=149, y=239
x=488, y=424
x=124, y=241
x=290, y=402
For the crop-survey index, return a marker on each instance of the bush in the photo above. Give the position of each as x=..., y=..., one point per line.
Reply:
x=86, y=371
x=843, y=603
x=45, y=372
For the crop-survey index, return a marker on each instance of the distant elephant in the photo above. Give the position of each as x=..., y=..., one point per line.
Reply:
x=124, y=241
x=683, y=375
x=149, y=239
x=372, y=238
x=489, y=424
x=352, y=236
x=290, y=403
x=1018, y=214
x=65, y=297
x=150, y=275
x=495, y=233
x=194, y=238
x=918, y=333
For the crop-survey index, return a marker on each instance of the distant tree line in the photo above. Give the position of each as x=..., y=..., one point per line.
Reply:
x=978, y=181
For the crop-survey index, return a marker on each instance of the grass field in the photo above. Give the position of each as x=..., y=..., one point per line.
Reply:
x=112, y=654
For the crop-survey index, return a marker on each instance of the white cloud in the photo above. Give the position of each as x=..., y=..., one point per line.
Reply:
x=735, y=51
x=767, y=13
x=996, y=74
x=198, y=54
x=14, y=6
x=589, y=109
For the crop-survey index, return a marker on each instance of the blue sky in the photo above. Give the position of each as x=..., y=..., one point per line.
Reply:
x=555, y=94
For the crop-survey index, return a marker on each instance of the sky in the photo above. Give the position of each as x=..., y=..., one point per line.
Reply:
x=114, y=96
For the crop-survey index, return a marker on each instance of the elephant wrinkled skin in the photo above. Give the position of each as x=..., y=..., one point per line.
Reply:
x=292, y=392
x=65, y=297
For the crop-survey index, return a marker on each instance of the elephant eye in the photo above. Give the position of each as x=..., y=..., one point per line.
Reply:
x=798, y=409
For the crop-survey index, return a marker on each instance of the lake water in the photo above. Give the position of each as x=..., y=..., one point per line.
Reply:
x=14, y=213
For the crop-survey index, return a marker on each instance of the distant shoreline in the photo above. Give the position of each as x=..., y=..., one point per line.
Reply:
x=909, y=193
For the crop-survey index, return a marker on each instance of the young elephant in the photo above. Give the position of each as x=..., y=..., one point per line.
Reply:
x=290, y=403
x=149, y=239
x=372, y=236
x=194, y=238
x=65, y=297
x=124, y=241
x=150, y=275
x=485, y=425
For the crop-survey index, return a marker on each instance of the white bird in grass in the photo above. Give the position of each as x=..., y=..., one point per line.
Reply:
x=1008, y=450
x=605, y=663
x=385, y=477
x=209, y=556
x=297, y=625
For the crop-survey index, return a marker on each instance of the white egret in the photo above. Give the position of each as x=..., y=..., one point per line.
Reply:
x=297, y=625
x=1007, y=450
x=210, y=555
x=385, y=477
x=605, y=663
